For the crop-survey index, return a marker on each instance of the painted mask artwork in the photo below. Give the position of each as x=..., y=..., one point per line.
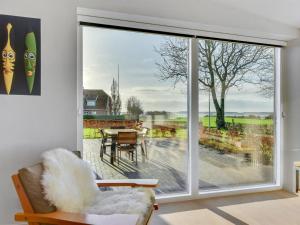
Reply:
x=20, y=55
x=8, y=59
x=30, y=59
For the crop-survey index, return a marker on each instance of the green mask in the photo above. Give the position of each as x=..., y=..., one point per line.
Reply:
x=30, y=59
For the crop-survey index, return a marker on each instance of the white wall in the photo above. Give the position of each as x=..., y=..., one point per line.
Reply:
x=30, y=125
x=291, y=81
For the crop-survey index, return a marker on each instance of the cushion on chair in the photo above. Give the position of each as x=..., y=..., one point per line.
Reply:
x=31, y=180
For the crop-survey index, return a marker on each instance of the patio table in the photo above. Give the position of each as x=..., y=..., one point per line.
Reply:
x=113, y=133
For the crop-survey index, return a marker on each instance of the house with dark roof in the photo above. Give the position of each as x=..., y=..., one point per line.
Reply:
x=96, y=102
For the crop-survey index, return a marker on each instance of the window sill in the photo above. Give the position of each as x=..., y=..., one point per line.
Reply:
x=218, y=193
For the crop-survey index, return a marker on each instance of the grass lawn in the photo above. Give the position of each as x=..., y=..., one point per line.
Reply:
x=237, y=120
x=181, y=133
x=245, y=121
x=91, y=133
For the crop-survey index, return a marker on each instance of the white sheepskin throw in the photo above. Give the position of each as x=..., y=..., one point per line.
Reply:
x=68, y=181
x=69, y=184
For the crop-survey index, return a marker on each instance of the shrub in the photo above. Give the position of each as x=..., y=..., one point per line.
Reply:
x=266, y=148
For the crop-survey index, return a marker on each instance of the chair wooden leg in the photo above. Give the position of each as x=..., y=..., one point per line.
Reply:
x=143, y=149
x=146, y=150
x=136, y=162
x=101, y=152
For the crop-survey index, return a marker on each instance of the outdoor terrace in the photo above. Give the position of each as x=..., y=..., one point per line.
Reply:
x=167, y=161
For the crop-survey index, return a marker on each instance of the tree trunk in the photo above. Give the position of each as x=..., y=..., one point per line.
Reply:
x=221, y=123
x=220, y=120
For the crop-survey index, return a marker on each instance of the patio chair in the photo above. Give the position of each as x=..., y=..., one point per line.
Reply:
x=105, y=142
x=138, y=125
x=143, y=140
x=38, y=210
x=127, y=142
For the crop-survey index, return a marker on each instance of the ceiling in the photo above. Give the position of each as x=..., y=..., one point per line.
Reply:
x=283, y=11
x=278, y=19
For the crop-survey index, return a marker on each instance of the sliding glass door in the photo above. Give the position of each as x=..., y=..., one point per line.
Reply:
x=236, y=114
x=140, y=82
x=127, y=88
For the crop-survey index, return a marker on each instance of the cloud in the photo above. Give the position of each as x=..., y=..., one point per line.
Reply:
x=158, y=98
x=104, y=49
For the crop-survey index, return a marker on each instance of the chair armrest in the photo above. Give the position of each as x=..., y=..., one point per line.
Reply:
x=64, y=218
x=151, y=183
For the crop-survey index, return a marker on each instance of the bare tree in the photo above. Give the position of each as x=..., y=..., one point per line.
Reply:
x=108, y=106
x=116, y=103
x=134, y=107
x=266, y=79
x=222, y=65
x=267, y=86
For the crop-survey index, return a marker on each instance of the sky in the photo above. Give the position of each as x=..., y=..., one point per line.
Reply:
x=104, y=49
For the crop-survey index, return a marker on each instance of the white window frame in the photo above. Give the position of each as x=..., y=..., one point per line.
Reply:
x=186, y=28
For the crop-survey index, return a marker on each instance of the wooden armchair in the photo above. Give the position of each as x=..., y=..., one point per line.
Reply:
x=37, y=210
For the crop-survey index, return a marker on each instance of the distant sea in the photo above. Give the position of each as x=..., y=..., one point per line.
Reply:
x=235, y=114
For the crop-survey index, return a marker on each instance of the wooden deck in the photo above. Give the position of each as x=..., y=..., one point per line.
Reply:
x=167, y=161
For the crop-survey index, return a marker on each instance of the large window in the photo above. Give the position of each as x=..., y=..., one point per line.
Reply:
x=126, y=73
x=236, y=114
x=141, y=83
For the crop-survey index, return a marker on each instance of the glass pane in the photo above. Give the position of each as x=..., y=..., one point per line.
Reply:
x=126, y=73
x=236, y=114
